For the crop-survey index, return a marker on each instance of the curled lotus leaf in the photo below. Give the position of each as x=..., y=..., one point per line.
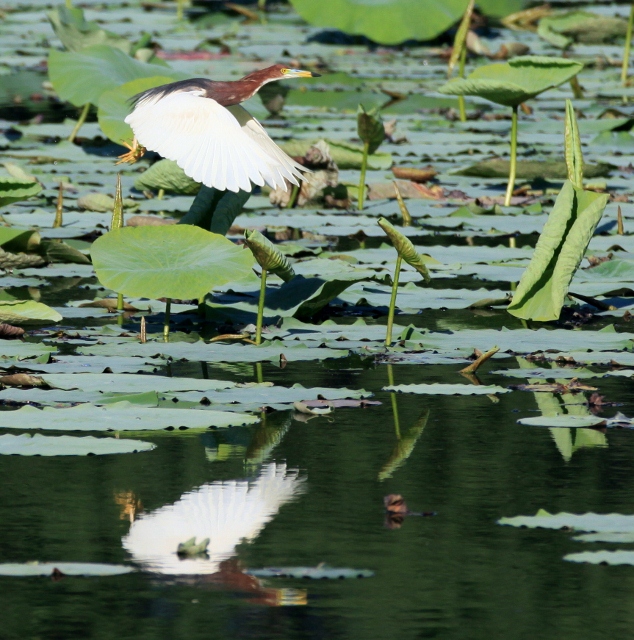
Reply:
x=572, y=147
x=405, y=248
x=370, y=128
x=269, y=257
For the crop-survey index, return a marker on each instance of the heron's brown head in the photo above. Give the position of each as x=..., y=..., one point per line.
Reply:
x=282, y=72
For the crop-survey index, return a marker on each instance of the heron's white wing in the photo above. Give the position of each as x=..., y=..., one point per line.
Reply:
x=225, y=512
x=285, y=166
x=205, y=140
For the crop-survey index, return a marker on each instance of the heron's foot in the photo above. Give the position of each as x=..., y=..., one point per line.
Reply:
x=136, y=152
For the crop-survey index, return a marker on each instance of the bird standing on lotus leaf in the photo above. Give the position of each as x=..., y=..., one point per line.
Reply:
x=200, y=125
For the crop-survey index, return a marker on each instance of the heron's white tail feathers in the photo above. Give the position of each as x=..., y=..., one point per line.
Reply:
x=225, y=512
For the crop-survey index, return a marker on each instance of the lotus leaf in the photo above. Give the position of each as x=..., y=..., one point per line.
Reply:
x=23, y=312
x=178, y=261
x=167, y=175
x=394, y=21
x=28, y=569
x=515, y=81
x=82, y=77
x=16, y=189
x=561, y=246
x=38, y=445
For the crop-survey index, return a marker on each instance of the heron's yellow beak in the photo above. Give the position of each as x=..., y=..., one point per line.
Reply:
x=299, y=73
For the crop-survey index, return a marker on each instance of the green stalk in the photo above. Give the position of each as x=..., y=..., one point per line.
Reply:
x=461, y=101
x=180, y=9
x=259, y=377
x=390, y=314
x=59, y=210
x=397, y=424
x=364, y=166
x=119, y=302
x=69, y=4
x=82, y=118
x=513, y=167
x=166, y=321
x=626, y=50
x=258, y=326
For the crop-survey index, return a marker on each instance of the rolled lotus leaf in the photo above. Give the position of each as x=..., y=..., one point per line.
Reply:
x=572, y=147
x=269, y=257
x=370, y=128
x=461, y=36
x=405, y=248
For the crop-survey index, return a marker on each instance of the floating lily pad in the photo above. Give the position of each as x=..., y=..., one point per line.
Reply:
x=28, y=569
x=602, y=557
x=38, y=445
x=25, y=312
x=121, y=416
x=320, y=572
x=611, y=522
x=447, y=389
x=573, y=421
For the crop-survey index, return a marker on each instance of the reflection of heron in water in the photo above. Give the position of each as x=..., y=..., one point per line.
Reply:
x=227, y=513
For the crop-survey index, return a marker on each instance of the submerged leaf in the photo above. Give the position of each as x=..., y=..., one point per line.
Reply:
x=561, y=246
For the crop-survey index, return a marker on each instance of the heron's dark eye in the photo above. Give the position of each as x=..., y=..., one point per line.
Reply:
x=285, y=71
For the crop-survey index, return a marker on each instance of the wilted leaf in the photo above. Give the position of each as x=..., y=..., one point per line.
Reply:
x=531, y=169
x=414, y=174
x=563, y=29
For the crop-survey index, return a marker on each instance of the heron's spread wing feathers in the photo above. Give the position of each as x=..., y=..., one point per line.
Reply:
x=222, y=148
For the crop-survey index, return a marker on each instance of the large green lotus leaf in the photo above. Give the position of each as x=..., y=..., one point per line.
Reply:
x=28, y=569
x=81, y=77
x=440, y=389
x=394, y=21
x=75, y=32
x=121, y=416
x=23, y=312
x=167, y=175
x=561, y=246
x=610, y=522
x=513, y=82
x=21, y=350
x=18, y=239
x=531, y=169
x=16, y=189
x=38, y=445
x=562, y=29
x=114, y=106
x=177, y=261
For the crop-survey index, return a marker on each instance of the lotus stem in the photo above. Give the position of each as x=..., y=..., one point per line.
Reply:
x=513, y=167
x=180, y=9
x=259, y=377
x=364, y=166
x=59, y=210
x=405, y=214
x=69, y=4
x=473, y=367
x=397, y=425
x=119, y=302
x=166, y=321
x=577, y=91
x=626, y=49
x=82, y=118
x=461, y=101
x=143, y=336
x=390, y=313
x=160, y=194
x=258, y=325
x=292, y=201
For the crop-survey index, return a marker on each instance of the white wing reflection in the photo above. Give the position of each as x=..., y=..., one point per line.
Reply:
x=225, y=512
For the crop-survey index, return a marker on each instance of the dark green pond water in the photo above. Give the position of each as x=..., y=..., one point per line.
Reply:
x=455, y=575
